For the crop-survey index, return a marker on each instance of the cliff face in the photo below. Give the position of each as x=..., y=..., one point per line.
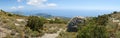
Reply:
x=74, y=23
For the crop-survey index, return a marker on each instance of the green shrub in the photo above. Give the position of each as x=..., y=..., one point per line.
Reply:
x=92, y=31
x=95, y=28
x=58, y=21
x=102, y=20
x=114, y=12
x=10, y=14
x=35, y=23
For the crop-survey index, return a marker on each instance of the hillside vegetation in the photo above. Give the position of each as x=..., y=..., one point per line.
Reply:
x=103, y=26
x=20, y=26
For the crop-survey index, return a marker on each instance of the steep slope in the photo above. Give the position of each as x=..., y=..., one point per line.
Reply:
x=11, y=24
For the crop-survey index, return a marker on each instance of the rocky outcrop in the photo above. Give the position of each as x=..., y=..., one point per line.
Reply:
x=74, y=22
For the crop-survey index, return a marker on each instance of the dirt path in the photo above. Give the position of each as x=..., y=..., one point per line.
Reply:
x=54, y=35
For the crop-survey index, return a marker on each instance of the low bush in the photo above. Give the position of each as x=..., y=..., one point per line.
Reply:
x=35, y=23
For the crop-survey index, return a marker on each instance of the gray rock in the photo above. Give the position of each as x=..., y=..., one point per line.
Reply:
x=74, y=22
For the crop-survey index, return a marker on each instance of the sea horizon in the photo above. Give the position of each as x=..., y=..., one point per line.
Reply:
x=65, y=13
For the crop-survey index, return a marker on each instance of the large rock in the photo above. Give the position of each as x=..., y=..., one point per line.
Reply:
x=74, y=22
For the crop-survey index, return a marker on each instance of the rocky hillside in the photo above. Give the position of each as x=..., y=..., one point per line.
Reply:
x=11, y=24
x=108, y=24
x=113, y=24
x=14, y=26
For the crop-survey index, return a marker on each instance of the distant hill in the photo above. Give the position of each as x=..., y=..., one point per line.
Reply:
x=49, y=16
x=43, y=15
x=37, y=13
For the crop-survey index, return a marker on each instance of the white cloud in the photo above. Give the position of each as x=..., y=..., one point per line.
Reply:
x=17, y=7
x=20, y=7
x=40, y=3
x=44, y=0
x=13, y=8
x=51, y=5
x=19, y=0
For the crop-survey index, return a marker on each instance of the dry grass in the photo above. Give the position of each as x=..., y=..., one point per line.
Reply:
x=53, y=28
x=67, y=35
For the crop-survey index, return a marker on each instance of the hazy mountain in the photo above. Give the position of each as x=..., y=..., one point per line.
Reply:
x=43, y=15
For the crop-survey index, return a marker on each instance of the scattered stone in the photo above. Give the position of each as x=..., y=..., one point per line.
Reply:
x=3, y=32
x=115, y=20
x=8, y=19
x=17, y=24
x=20, y=20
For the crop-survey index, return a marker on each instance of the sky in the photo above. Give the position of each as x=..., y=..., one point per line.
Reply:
x=11, y=5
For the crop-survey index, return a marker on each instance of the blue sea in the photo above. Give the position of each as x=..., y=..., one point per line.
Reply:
x=68, y=13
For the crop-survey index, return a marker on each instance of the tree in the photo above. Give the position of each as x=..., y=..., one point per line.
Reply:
x=35, y=23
